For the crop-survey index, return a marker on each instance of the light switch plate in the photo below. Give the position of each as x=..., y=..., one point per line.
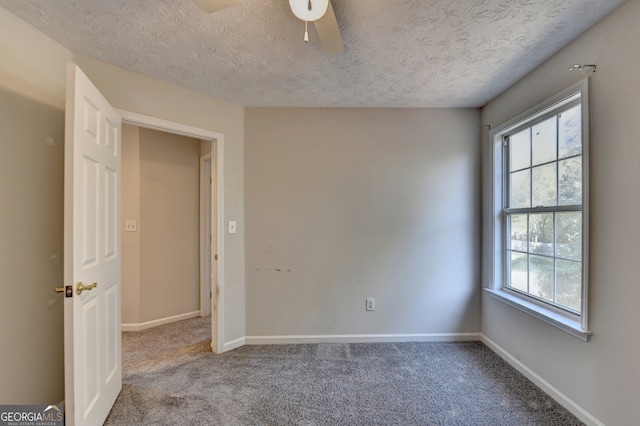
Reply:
x=232, y=227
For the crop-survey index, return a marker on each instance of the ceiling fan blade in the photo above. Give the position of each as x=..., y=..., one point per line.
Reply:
x=329, y=32
x=211, y=6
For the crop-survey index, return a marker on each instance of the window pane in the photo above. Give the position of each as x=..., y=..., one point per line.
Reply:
x=520, y=150
x=570, y=133
x=570, y=175
x=544, y=185
x=518, y=228
x=541, y=233
x=569, y=289
x=541, y=277
x=543, y=143
x=518, y=268
x=520, y=189
x=569, y=235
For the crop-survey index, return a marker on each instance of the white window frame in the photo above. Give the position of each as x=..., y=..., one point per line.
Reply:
x=574, y=324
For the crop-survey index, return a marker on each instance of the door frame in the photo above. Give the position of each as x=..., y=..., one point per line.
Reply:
x=207, y=201
x=217, y=196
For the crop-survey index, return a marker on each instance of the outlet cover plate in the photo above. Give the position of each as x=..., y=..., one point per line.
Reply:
x=371, y=304
x=131, y=226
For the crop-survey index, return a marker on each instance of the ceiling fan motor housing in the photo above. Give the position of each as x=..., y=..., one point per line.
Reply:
x=309, y=10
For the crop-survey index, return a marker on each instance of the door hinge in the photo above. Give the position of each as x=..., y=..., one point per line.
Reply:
x=215, y=256
x=505, y=141
x=210, y=295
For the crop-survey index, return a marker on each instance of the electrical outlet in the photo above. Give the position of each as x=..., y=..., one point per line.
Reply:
x=371, y=304
x=131, y=226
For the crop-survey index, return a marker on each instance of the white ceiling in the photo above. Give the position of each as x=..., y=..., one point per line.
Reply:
x=399, y=53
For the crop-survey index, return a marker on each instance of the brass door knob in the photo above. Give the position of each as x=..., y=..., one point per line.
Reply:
x=81, y=287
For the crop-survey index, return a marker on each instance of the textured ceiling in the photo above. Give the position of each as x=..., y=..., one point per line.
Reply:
x=399, y=53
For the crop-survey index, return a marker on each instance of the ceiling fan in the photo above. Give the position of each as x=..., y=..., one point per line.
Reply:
x=320, y=12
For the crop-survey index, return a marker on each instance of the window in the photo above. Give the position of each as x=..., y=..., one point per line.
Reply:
x=541, y=206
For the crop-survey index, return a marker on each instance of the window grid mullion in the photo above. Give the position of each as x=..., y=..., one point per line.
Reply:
x=568, y=157
x=545, y=209
x=531, y=166
x=528, y=254
x=555, y=269
x=557, y=159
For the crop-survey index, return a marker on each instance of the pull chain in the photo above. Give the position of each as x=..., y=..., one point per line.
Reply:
x=306, y=32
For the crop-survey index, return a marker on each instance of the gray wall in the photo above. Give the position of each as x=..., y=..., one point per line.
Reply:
x=31, y=216
x=344, y=204
x=602, y=376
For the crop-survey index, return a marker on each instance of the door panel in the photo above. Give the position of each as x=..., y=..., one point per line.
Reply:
x=93, y=363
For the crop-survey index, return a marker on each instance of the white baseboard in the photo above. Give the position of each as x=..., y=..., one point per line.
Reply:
x=547, y=387
x=361, y=338
x=232, y=344
x=150, y=324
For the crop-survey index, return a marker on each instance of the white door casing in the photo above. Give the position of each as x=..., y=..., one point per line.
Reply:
x=214, y=203
x=206, y=236
x=92, y=340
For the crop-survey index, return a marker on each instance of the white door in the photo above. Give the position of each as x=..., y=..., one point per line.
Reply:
x=92, y=341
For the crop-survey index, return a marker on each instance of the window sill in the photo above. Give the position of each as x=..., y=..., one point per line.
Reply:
x=552, y=318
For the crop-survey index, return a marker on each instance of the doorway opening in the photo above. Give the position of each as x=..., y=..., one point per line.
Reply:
x=211, y=241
